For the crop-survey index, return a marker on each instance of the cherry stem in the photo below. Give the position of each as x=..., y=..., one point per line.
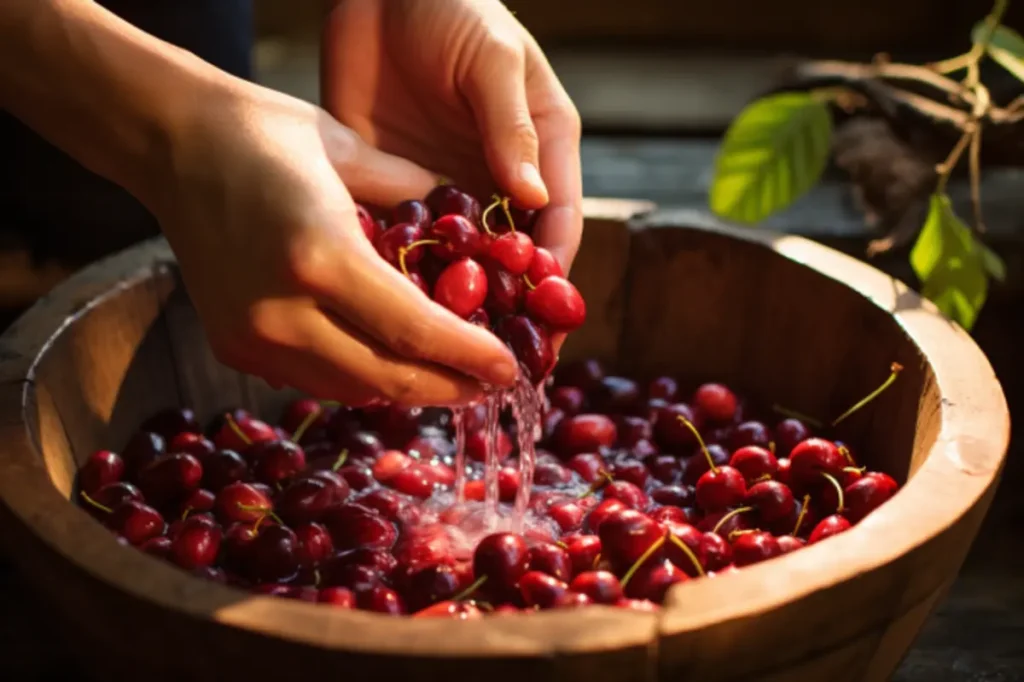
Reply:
x=735, y=512
x=316, y=577
x=487, y=212
x=771, y=447
x=793, y=414
x=854, y=470
x=266, y=511
x=597, y=560
x=486, y=606
x=894, y=370
x=101, y=507
x=604, y=479
x=845, y=452
x=801, y=515
x=529, y=284
x=330, y=403
x=739, y=532
x=704, y=448
x=184, y=514
x=237, y=429
x=763, y=477
x=471, y=589
x=687, y=551
x=655, y=546
x=404, y=250
x=561, y=544
x=508, y=214
x=839, y=490
x=306, y=423
x=340, y=462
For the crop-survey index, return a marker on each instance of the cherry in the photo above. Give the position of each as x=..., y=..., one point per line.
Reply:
x=653, y=581
x=159, y=546
x=867, y=494
x=196, y=543
x=395, y=241
x=715, y=553
x=750, y=433
x=388, y=503
x=663, y=388
x=222, y=468
x=273, y=555
x=307, y=499
x=754, y=546
x=380, y=599
x=630, y=494
x=170, y=477
x=461, y=287
x=143, y=448
x=601, y=586
x=544, y=265
x=584, y=433
x=458, y=237
x=416, y=480
x=720, y=487
x=102, y=467
x=459, y=610
x=101, y=502
x=353, y=525
x=531, y=345
x=513, y=251
x=584, y=552
x=568, y=514
x=773, y=501
x=552, y=559
x=813, y=457
x=827, y=527
x=358, y=445
x=340, y=597
x=172, y=421
x=788, y=433
x=551, y=474
x=590, y=466
x=670, y=429
x=314, y=544
x=446, y=199
x=754, y=462
x=569, y=399
x=477, y=444
x=788, y=543
x=541, y=590
x=304, y=414
x=366, y=221
x=338, y=571
x=782, y=472
x=199, y=501
x=631, y=471
x=637, y=605
x=664, y=514
x=599, y=514
x=668, y=469
x=502, y=559
x=505, y=291
x=135, y=522
x=411, y=211
x=238, y=431
x=716, y=402
x=626, y=535
x=685, y=547
x=195, y=444
x=555, y=302
x=675, y=495
x=430, y=585
x=242, y=502
x=275, y=462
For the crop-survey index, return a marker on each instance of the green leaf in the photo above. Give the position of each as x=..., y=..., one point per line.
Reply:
x=952, y=265
x=773, y=153
x=1005, y=47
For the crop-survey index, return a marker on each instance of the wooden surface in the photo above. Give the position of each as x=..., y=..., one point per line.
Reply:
x=860, y=598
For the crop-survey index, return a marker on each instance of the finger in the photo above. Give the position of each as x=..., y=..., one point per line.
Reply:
x=362, y=288
x=496, y=91
x=560, y=225
x=371, y=175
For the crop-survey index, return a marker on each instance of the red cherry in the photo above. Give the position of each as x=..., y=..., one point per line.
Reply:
x=720, y=489
x=411, y=211
x=541, y=590
x=462, y=287
x=754, y=547
x=663, y=388
x=653, y=580
x=542, y=265
x=549, y=558
x=754, y=462
x=865, y=495
x=196, y=543
x=813, y=457
x=788, y=543
x=315, y=544
x=513, y=251
x=503, y=558
x=353, y=525
x=170, y=477
x=601, y=586
x=135, y=522
x=773, y=501
x=555, y=302
x=337, y=596
x=458, y=236
x=788, y=433
x=458, y=610
x=447, y=199
x=242, y=502
x=396, y=239
x=585, y=433
x=827, y=527
x=531, y=345
x=101, y=468
x=366, y=221
x=716, y=401
x=505, y=291
x=626, y=535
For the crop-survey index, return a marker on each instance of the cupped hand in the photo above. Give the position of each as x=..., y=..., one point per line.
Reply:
x=460, y=87
x=258, y=209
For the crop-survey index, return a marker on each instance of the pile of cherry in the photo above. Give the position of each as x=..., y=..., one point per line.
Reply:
x=637, y=487
x=482, y=264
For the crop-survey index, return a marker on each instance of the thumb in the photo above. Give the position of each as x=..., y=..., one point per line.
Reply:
x=375, y=177
x=496, y=90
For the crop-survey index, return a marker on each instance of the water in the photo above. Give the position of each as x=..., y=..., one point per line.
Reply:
x=459, y=424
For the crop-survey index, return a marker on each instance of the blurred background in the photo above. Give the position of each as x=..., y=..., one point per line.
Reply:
x=657, y=83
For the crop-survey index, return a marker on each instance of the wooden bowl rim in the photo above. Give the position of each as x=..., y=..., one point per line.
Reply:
x=963, y=462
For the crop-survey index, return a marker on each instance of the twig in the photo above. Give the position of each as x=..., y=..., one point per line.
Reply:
x=974, y=159
x=952, y=64
x=888, y=71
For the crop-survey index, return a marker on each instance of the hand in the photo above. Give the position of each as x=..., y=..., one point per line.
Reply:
x=259, y=213
x=460, y=87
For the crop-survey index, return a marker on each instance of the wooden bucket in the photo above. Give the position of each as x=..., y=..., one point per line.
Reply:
x=780, y=317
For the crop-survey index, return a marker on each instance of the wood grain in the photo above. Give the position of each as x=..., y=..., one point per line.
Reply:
x=780, y=316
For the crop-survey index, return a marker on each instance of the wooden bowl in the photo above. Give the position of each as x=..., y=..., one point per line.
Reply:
x=783, y=318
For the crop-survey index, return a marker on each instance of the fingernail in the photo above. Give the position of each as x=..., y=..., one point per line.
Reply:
x=529, y=174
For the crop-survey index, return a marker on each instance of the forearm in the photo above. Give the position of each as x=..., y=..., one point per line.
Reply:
x=109, y=95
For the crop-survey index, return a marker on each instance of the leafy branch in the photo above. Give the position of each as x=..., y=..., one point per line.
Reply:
x=778, y=147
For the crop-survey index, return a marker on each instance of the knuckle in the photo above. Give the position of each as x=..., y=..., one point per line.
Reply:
x=568, y=117
x=305, y=264
x=265, y=327
x=505, y=50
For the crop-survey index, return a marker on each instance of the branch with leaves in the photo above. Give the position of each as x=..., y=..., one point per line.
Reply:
x=778, y=147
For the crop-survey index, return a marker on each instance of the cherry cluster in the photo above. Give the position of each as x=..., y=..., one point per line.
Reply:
x=482, y=265
x=637, y=487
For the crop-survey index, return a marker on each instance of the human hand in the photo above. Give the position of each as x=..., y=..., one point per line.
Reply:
x=258, y=209
x=460, y=87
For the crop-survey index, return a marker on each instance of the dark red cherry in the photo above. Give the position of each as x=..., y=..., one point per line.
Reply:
x=462, y=287
x=720, y=489
x=750, y=433
x=754, y=547
x=196, y=543
x=135, y=522
x=102, y=467
x=584, y=552
x=276, y=462
x=222, y=468
x=663, y=388
x=653, y=580
x=353, y=525
x=380, y=599
x=626, y=535
x=669, y=430
x=601, y=586
x=341, y=597
x=715, y=552
x=541, y=590
x=569, y=399
x=616, y=395
x=396, y=240
x=411, y=211
x=549, y=558
x=447, y=199
x=458, y=236
x=628, y=493
x=812, y=457
x=314, y=544
x=242, y=502
x=543, y=265
x=788, y=433
x=430, y=585
x=754, y=462
x=273, y=555
x=827, y=527
x=503, y=558
x=866, y=494
x=674, y=495
x=585, y=433
x=773, y=500
x=505, y=291
x=170, y=477
x=531, y=345
x=143, y=448
x=306, y=499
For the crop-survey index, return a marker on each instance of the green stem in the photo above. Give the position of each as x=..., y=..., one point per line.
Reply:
x=655, y=546
x=895, y=370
